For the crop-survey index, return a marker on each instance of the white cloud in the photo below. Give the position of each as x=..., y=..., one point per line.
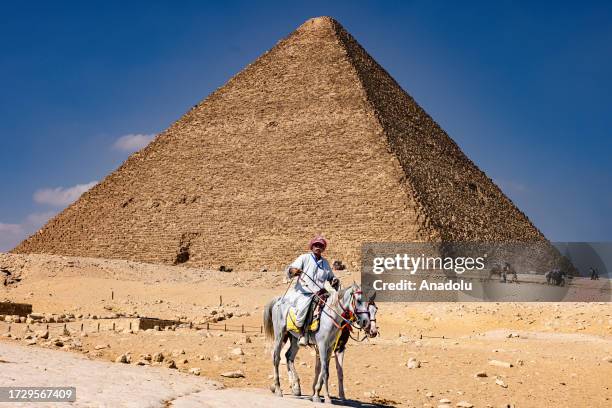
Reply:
x=60, y=196
x=13, y=234
x=132, y=142
x=10, y=236
x=10, y=229
x=37, y=220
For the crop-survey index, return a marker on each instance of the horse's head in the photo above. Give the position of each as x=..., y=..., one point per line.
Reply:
x=355, y=302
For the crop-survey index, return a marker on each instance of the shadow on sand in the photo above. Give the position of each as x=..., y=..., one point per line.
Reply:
x=348, y=402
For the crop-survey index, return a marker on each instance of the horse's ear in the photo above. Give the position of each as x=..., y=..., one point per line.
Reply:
x=372, y=297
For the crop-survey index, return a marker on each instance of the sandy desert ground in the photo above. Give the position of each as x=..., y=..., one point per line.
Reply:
x=561, y=353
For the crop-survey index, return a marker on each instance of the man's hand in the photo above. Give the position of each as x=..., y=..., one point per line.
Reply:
x=295, y=272
x=335, y=283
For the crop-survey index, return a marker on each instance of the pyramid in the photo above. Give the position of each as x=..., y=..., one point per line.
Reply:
x=313, y=137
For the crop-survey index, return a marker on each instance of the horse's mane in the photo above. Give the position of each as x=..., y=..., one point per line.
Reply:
x=343, y=291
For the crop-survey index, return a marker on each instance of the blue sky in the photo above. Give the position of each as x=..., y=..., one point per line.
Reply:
x=523, y=87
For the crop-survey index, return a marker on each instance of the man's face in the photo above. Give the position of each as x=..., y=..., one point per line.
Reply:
x=317, y=249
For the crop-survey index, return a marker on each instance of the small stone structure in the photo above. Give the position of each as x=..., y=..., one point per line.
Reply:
x=19, y=309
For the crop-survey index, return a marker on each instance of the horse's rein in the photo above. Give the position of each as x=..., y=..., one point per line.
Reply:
x=350, y=323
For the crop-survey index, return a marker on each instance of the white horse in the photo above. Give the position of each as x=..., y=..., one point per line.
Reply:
x=349, y=301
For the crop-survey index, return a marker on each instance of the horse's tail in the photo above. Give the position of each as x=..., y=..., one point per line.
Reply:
x=267, y=319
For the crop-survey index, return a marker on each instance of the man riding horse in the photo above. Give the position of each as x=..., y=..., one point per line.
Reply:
x=312, y=271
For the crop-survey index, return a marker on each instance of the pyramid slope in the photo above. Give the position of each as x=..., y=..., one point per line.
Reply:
x=462, y=203
x=314, y=136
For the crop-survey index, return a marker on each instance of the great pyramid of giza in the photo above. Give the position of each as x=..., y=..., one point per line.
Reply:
x=313, y=137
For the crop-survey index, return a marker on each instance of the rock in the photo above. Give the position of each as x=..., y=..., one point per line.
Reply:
x=238, y=352
x=128, y=331
x=101, y=346
x=429, y=395
x=464, y=404
x=143, y=362
x=7, y=335
x=501, y=383
x=248, y=339
x=146, y=357
x=122, y=359
x=31, y=342
x=194, y=371
x=170, y=364
x=233, y=374
x=157, y=357
x=413, y=363
x=58, y=343
x=444, y=401
x=499, y=363
x=519, y=363
x=480, y=374
x=176, y=353
x=183, y=361
x=42, y=334
x=607, y=359
x=370, y=394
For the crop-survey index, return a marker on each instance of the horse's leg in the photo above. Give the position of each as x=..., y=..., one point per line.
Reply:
x=340, y=372
x=324, y=356
x=278, y=345
x=316, y=375
x=317, y=371
x=325, y=371
x=292, y=372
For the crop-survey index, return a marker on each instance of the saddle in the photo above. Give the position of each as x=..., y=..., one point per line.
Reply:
x=313, y=317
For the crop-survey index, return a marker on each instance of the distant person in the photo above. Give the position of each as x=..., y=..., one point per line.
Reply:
x=312, y=271
x=504, y=272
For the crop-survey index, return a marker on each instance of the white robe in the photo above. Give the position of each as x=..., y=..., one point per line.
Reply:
x=302, y=292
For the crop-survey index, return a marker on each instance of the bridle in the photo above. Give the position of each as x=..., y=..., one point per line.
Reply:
x=348, y=316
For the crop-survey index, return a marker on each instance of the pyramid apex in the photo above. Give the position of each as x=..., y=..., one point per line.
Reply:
x=317, y=23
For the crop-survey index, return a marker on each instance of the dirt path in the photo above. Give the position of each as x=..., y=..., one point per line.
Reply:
x=103, y=384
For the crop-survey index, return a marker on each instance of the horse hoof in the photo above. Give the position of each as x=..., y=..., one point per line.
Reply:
x=316, y=399
x=328, y=400
x=297, y=392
